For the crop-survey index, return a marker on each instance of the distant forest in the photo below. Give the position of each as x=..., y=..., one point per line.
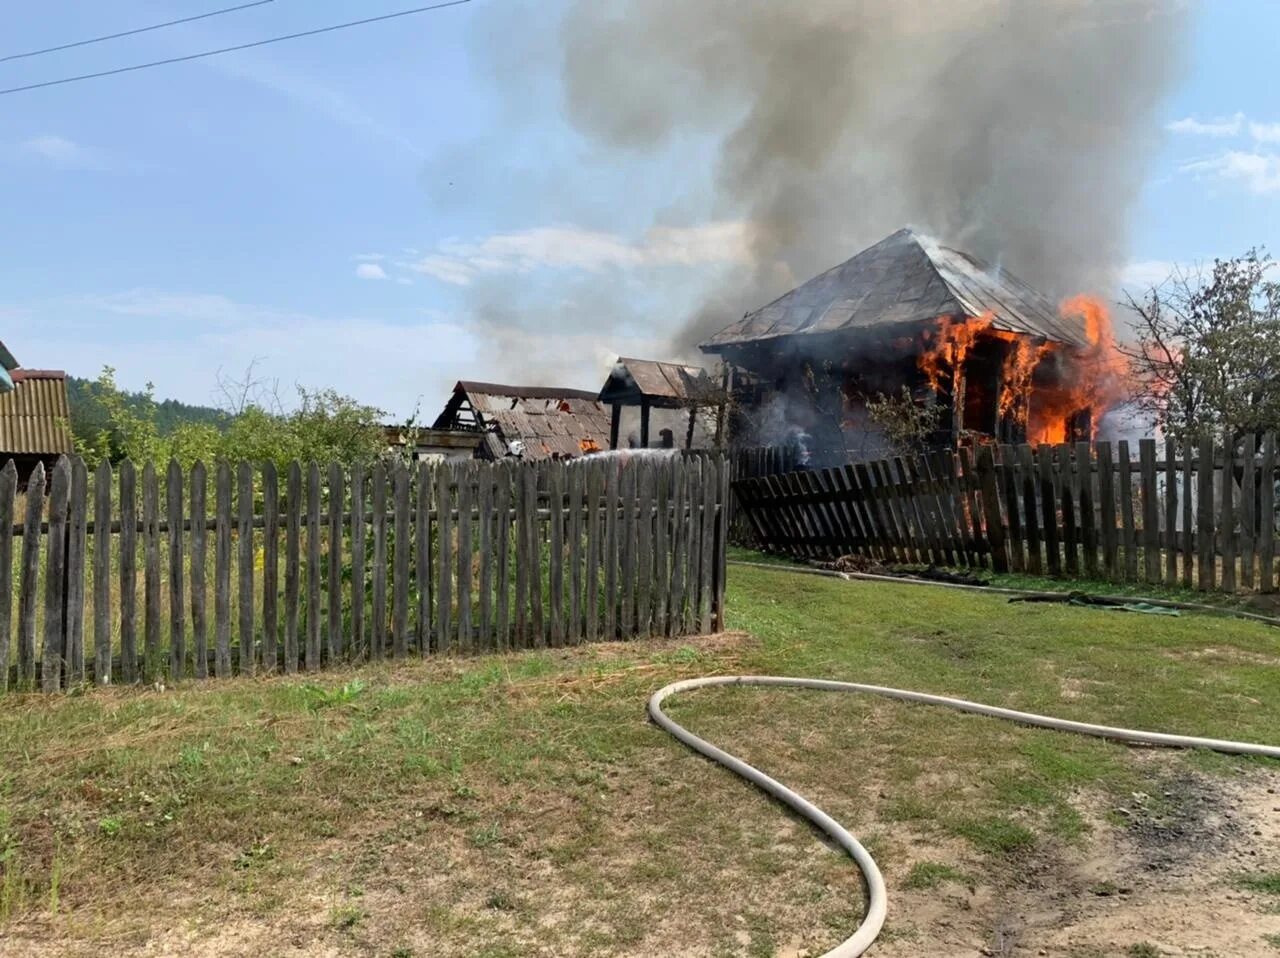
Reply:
x=89, y=418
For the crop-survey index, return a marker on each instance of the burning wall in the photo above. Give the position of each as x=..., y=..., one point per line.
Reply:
x=1045, y=391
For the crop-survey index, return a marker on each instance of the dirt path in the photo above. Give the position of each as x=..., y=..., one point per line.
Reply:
x=1157, y=876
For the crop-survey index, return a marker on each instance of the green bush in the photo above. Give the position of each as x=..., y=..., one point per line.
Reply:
x=325, y=426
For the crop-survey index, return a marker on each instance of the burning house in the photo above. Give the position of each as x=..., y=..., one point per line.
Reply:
x=1000, y=359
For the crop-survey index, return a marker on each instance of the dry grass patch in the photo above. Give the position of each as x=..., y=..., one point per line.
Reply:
x=522, y=805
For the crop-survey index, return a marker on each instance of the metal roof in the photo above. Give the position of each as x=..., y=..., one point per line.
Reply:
x=544, y=421
x=523, y=392
x=669, y=384
x=905, y=278
x=35, y=418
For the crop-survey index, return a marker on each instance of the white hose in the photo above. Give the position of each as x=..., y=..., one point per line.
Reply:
x=877, y=902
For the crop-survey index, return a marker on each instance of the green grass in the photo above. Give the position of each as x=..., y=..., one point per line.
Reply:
x=508, y=805
x=1262, y=883
x=926, y=875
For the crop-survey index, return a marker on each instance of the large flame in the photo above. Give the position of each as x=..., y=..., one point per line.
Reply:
x=949, y=347
x=1052, y=402
x=1090, y=381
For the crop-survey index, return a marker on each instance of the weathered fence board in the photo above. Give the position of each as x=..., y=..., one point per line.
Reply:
x=177, y=618
x=378, y=519
x=199, y=586
x=356, y=641
x=1267, y=552
x=8, y=495
x=399, y=576
x=422, y=559
x=615, y=547
x=244, y=566
x=292, y=566
x=222, y=574
x=335, y=556
x=1074, y=509
x=55, y=577
x=270, y=566
x=314, y=573
x=465, y=479
x=151, y=572
x=1150, y=510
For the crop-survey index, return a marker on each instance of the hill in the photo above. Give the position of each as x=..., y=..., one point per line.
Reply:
x=88, y=417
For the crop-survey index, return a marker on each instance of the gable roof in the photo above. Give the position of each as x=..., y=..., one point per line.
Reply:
x=544, y=421
x=663, y=384
x=905, y=278
x=35, y=417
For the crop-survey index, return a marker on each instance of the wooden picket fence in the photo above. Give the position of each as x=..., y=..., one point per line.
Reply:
x=1203, y=516
x=332, y=565
x=751, y=463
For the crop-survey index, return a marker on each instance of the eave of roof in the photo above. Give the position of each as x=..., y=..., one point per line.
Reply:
x=522, y=392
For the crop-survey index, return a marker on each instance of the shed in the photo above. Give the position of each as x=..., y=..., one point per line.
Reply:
x=527, y=422
x=35, y=419
x=650, y=384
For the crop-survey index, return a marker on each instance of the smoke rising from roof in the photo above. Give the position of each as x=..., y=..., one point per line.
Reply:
x=1018, y=130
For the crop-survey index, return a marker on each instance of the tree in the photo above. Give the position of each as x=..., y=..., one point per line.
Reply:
x=324, y=426
x=1207, y=354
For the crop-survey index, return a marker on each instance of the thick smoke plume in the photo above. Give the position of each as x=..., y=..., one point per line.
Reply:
x=1018, y=130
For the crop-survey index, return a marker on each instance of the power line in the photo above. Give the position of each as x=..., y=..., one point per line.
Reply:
x=241, y=46
x=130, y=33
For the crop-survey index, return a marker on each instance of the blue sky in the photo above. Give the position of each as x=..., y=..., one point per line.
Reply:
x=358, y=209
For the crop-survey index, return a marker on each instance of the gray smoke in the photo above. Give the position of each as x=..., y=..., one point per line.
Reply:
x=1019, y=130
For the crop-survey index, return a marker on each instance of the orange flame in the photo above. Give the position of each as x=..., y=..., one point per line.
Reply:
x=1050, y=402
x=1091, y=380
x=950, y=346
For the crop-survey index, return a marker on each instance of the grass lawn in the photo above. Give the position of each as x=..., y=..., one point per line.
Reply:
x=522, y=804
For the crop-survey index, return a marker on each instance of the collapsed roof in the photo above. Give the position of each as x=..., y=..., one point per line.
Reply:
x=528, y=422
x=906, y=278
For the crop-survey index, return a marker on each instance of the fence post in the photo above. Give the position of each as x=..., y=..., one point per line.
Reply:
x=8, y=494
x=55, y=581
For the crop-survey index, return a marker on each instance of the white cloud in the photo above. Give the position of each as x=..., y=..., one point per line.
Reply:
x=370, y=271
x=1221, y=126
x=63, y=153
x=572, y=248
x=1265, y=132
x=1259, y=173
x=1227, y=126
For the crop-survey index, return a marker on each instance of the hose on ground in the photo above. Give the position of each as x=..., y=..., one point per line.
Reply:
x=877, y=898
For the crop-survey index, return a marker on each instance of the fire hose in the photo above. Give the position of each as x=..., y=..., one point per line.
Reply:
x=877, y=898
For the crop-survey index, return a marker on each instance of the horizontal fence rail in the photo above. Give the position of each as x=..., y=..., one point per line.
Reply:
x=752, y=463
x=1201, y=515
x=131, y=574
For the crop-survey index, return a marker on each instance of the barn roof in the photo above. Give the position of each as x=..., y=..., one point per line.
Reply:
x=906, y=278
x=545, y=421
x=35, y=417
x=663, y=384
